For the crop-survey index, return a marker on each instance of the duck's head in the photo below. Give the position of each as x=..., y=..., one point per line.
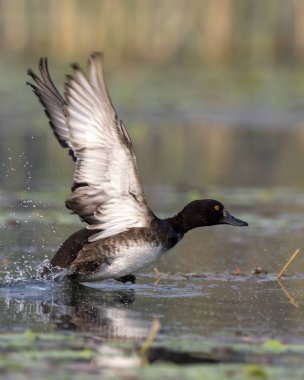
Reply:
x=205, y=212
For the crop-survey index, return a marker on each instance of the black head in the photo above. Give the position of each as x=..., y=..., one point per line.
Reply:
x=205, y=212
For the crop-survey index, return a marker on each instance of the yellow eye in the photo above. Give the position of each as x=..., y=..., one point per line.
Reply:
x=217, y=207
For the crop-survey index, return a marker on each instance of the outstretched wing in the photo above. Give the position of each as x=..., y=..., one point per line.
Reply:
x=53, y=103
x=107, y=193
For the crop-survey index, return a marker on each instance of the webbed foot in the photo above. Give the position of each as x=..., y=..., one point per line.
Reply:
x=127, y=278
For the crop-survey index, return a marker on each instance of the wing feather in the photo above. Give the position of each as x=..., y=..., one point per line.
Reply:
x=107, y=193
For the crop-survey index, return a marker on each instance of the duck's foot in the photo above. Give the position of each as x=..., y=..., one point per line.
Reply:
x=127, y=278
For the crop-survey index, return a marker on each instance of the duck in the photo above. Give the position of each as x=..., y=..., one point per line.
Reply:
x=122, y=234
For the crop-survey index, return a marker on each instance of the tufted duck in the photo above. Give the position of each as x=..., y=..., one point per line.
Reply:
x=122, y=234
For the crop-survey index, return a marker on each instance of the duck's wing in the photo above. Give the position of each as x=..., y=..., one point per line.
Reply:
x=106, y=193
x=53, y=103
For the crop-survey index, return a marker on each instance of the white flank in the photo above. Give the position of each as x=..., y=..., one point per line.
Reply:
x=127, y=261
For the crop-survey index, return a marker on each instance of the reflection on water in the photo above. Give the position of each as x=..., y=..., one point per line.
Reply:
x=80, y=309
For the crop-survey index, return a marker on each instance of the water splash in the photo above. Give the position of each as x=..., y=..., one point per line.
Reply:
x=27, y=270
x=47, y=272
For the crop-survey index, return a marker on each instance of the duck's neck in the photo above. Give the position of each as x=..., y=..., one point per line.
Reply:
x=176, y=222
x=181, y=223
x=193, y=215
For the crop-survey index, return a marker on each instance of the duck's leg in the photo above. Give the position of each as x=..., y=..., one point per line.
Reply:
x=127, y=278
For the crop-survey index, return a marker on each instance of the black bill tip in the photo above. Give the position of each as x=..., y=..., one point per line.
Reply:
x=230, y=219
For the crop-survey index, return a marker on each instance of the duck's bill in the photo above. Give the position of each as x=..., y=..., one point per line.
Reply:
x=229, y=219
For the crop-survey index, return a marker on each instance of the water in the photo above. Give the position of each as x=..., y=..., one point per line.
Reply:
x=220, y=305
x=207, y=289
